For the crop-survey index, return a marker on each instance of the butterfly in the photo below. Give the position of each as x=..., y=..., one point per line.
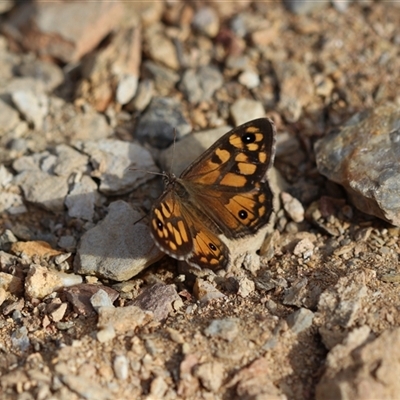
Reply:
x=223, y=192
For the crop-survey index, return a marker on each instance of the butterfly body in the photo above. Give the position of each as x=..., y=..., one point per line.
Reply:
x=223, y=192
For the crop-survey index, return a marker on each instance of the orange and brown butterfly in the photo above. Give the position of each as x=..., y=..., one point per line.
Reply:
x=222, y=193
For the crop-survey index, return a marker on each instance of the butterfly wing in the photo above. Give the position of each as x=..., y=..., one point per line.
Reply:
x=236, y=214
x=238, y=159
x=180, y=233
x=208, y=249
x=227, y=182
x=169, y=228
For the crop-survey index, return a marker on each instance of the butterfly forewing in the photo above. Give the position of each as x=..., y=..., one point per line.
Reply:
x=238, y=159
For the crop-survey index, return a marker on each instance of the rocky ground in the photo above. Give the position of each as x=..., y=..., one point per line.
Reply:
x=91, y=98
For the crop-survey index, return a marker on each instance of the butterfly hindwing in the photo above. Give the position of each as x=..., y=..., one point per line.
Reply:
x=238, y=214
x=208, y=249
x=169, y=228
x=179, y=232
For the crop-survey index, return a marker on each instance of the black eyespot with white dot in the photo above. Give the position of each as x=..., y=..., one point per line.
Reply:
x=212, y=246
x=243, y=214
x=160, y=225
x=248, y=138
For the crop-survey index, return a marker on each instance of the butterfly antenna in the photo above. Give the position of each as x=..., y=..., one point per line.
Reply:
x=141, y=219
x=173, y=152
x=147, y=172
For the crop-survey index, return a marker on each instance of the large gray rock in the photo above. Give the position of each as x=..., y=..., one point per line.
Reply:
x=364, y=158
x=119, y=247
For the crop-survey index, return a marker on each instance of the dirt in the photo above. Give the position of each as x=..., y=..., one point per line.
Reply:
x=353, y=265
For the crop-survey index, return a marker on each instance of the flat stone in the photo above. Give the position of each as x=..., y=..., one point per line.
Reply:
x=69, y=161
x=294, y=296
x=205, y=291
x=65, y=31
x=118, y=247
x=164, y=78
x=5, y=176
x=12, y=203
x=33, y=106
x=42, y=281
x=200, y=85
x=114, y=163
x=226, y=329
x=20, y=339
x=246, y=287
x=43, y=190
x=89, y=125
x=163, y=118
x=160, y=48
x=250, y=79
x=101, y=299
x=9, y=118
x=364, y=157
x=57, y=313
x=342, y=304
x=363, y=367
x=10, y=283
x=31, y=163
x=300, y=320
x=244, y=110
x=82, y=199
x=160, y=299
x=86, y=388
x=83, y=300
x=33, y=249
x=158, y=387
x=206, y=21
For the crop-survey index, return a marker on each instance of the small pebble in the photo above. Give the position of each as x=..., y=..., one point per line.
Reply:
x=158, y=387
x=206, y=21
x=250, y=79
x=106, y=334
x=226, y=329
x=121, y=367
x=293, y=207
x=58, y=314
x=300, y=320
x=246, y=287
x=244, y=110
x=20, y=339
x=211, y=375
x=100, y=299
x=205, y=292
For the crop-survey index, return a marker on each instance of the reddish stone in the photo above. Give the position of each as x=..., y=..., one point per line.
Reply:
x=63, y=30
